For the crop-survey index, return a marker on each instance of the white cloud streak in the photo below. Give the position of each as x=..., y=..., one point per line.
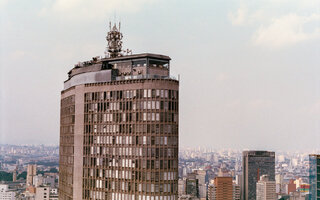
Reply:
x=274, y=28
x=288, y=30
x=91, y=10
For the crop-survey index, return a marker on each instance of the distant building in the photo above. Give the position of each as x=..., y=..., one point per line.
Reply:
x=280, y=184
x=14, y=176
x=314, y=176
x=201, y=176
x=291, y=186
x=211, y=192
x=236, y=192
x=266, y=189
x=239, y=182
x=192, y=185
x=31, y=173
x=5, y=194
x=255, y=164
x=187, y=197
x=182, y=187
x=42, y=193
x=224, y=188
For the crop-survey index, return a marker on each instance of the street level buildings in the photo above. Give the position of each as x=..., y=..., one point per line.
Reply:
x=119, y=127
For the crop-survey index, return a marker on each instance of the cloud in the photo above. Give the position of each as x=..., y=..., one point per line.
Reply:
x=239, y=17
x=242, y=16
x=91, y=10
x=288, y=30
x=272, y=26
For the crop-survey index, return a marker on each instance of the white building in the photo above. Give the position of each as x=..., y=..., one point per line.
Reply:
x=42, y=193
x=266, y=190
x=236, y=192
x=5, y=194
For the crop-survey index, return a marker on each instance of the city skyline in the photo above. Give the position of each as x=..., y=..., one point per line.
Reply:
x=241, y=87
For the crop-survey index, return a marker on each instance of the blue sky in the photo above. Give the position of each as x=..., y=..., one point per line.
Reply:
x=249, y=69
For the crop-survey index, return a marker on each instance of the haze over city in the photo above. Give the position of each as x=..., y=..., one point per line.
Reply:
x=249, y=71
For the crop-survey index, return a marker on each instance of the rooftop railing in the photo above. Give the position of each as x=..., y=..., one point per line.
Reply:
x=148, y=76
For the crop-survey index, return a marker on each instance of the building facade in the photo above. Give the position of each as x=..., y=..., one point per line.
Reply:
x=192, y=185
x=314, y=176
x=42, y=193
x=266, y=189
x=31, y=173
x=224, y=188
x=236, y=192
x=5, y=193
x=255, y=164
x=119, y=128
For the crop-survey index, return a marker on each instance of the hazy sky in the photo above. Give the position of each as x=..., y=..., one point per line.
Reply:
x=250, y=73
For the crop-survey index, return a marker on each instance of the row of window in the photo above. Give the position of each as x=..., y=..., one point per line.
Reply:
x=130, y=175
x=132, y=151
x=68, y=110
x=126, y=117
x=130, y=163
x=99, y=195
x=69, y=129
x=128, y=140
x=124, y=186
x=64, y=159
x=132, y=128
x=129, y=94
x=128, y=105
x=67, y=101
x=66, y=150
x=67, y=140
x=69, y=119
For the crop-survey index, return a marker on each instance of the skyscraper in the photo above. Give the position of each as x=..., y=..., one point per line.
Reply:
x=314, y=176
x=254, y=165
x=224, y=188
x=31, y=172
x=119, y=127
x=192, y=185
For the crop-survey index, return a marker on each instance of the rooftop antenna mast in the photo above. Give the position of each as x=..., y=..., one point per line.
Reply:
x=114, y=38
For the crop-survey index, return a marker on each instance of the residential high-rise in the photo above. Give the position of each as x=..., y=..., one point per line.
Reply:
x=314, y=176
x=31, y=173
x=255, y=164
x=224, y=188
x=266, y=189
x=119, y=127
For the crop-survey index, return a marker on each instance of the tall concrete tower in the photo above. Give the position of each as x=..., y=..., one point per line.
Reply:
x=119, y=127
x=31, y=172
